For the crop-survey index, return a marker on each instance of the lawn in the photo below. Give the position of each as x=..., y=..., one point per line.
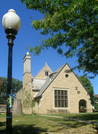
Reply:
x=81, y=116
x=35, y=124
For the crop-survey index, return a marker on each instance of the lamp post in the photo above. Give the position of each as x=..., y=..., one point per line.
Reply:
x=11, y=23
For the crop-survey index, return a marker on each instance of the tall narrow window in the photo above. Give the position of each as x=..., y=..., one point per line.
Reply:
x=61, y=98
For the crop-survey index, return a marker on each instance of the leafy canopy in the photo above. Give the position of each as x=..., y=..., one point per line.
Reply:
x=88, y=86
x=71, y=23
x=16, y=85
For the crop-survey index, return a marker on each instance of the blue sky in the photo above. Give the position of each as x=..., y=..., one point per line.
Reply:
x=28, y=36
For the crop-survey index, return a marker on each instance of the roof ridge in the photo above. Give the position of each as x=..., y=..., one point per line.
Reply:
x=47, y=83
x=60, y=68
x=42, y=68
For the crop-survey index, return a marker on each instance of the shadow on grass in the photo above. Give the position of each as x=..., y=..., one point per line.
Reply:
x=73, y=124
x=25, y=129
x=86, y=116
x=68, y=123
x=2, y=124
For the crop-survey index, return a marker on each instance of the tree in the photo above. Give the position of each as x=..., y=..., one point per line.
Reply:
x=88, y=86
x=27, y=100
x=16, y=85
x=72, y=23
x=96, y=103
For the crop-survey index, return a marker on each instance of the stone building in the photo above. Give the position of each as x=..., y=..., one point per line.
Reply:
x=53, y=92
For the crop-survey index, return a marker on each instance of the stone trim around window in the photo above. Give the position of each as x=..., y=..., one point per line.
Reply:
x=61, y=98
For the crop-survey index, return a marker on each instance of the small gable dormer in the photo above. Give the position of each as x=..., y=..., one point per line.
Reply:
x=44, y=72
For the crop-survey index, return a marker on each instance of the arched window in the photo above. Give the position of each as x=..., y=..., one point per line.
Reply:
x=82, y=106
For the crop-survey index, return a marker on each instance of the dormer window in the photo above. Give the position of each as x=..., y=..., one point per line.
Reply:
x=46, y=73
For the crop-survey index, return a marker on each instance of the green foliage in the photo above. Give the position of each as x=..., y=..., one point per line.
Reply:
x=96, y=103
x=16, y=85
x=88, y=86
x=27, y=99
x=69, y=23
x=3, y=99
x=96, y=106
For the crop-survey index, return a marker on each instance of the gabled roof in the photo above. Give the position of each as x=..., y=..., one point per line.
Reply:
x=49, y=81
x=41, y=73
x=37, y=84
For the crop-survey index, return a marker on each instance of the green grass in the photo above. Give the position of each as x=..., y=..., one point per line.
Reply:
x=35, y=124
x=73, y=124
x=81, y=116
x=28, y=124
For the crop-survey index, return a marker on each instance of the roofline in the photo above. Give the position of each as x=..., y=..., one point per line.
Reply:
x=53, y=79
x=41, y=69
x=95, y=95
x=78, y=79
x=19, y=89
x=82, y=84
x=58, y=74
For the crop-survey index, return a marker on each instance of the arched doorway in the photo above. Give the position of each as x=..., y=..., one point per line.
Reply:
x=82, y=106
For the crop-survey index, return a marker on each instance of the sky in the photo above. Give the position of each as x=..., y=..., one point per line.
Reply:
x=28, y=36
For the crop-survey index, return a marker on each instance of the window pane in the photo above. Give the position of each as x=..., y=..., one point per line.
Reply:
x=55, y=103
x=58, y=103
x=46, y=73
x=61, y=98
x=66, y=104
x=61, y=92
x=55, y=91
x=65, y=97
x=58, y=92
x=56, y=97
x=65, y=92
x=63, y=103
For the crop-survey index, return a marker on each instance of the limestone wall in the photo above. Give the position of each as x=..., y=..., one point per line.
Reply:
x=76, y=92
x=41, y=74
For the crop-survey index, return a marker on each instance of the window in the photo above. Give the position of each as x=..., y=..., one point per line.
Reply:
x=61, y=98
x=66, y=75
x=46, y=73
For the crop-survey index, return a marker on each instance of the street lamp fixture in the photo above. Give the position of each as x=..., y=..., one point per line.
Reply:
x=11, y=23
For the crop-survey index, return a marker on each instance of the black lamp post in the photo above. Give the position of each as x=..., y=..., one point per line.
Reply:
x=11, y=23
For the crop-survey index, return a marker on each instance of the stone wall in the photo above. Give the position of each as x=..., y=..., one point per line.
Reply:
x=17, y=107
x=41, y=74
x=76, y=92
x=63, y=81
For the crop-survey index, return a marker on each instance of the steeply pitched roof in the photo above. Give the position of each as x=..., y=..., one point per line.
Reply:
x=41, y=74
x=37, y=84
x=49, y=81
